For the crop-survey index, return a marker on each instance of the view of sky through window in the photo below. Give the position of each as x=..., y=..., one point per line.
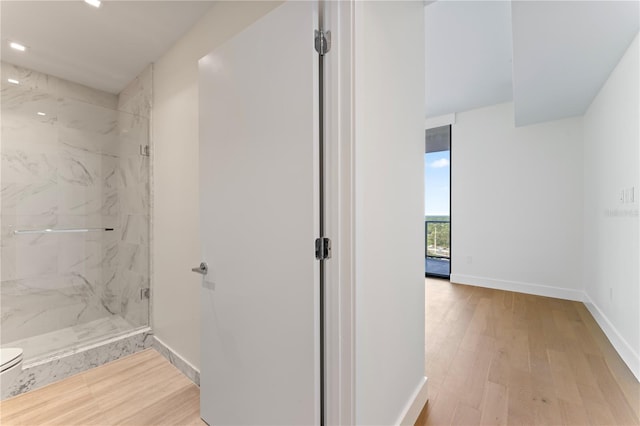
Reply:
x=436, y=183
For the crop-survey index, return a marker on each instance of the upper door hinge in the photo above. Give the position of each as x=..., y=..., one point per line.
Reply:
x=322, y=42
x=323, y=248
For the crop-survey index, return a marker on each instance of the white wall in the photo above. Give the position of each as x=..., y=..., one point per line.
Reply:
x=389, y=147
x=176, y=245
x=390, y=285
x=517, y=203
x=611, y=164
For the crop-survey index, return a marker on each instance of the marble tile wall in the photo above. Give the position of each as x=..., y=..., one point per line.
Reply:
x=78, y=166
x=134, y=111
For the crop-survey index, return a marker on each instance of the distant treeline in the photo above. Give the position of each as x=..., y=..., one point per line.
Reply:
x=437, y=236
x=437, y=218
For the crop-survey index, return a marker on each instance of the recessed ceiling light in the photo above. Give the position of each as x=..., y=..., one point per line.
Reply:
x=13, y=81
x=41, y=113
x=94, y=3
x=17, y=46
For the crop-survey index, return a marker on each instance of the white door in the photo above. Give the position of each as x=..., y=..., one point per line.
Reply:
x=258, y=221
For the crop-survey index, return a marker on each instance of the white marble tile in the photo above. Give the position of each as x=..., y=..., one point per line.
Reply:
x=133, y=257
x=44, y=372
x=86, y=94
x=93, y=206
x=22, y=108
x=29, y=311
x=37, y=198
x=28, y=261
x=10, y=223
x=134, y=185
x=110, y=206
x=79, y=166
x=43, y=303
x=111, y=290
x=125, y=148
x=68, y=338
x=76, y=201
x=133, y=130
x=110, y=254
x=110, y=166
x=135, y=229
x=71, y=221
x=86, y=117
x=75, y=168
x=79, y=256
x=29, y=80
x=134, y=308
x=29, y=164
x=34, y=132
x=136, y=97
x=88, y=141
x=36, y=81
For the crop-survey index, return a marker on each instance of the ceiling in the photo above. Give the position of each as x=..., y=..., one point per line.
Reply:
x=564, y=51
x=549, y=57
x=103, y=48
x=468, y=55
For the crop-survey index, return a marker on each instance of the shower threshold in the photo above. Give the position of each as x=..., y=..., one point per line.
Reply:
x=71, y=339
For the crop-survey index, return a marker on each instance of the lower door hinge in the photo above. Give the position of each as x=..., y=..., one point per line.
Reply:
x=323, y=248
x=322, y=42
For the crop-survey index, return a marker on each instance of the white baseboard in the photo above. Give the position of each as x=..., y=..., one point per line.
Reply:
x=174, y=358
x=519, y=287
x=415, y=405
x=626, y=352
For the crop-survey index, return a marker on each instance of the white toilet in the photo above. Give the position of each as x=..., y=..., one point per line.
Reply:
x=11, y=359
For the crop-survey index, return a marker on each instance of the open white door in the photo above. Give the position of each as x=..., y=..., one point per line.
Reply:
x=259, y=220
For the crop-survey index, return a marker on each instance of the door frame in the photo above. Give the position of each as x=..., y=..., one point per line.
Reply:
x=344, y=19
x=340, y=19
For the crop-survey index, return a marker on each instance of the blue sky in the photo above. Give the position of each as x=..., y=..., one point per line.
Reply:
x=436, y=183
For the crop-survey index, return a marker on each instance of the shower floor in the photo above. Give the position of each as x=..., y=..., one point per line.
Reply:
x=70, y=338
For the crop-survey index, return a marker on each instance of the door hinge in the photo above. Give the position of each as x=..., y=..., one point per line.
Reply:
x=323, y=248
x=322, y=42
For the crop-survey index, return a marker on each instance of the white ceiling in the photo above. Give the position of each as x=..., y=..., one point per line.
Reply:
x=562, y=52
x=468, y=55
x=102, y=48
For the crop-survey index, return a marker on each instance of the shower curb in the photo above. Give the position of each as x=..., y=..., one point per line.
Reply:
x=40, y=373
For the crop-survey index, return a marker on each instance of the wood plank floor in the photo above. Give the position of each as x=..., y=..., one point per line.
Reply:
x=141, y=389
x=501, y=358
x=492, y=357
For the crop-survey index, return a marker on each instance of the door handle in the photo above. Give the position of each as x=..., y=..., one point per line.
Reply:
x=202, y=269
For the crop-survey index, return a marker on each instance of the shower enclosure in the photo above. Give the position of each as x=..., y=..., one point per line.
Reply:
x=75, y=211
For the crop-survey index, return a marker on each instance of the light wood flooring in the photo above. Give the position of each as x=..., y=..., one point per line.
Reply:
x=496, y=358
x=141, y=389
x=492, y=357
